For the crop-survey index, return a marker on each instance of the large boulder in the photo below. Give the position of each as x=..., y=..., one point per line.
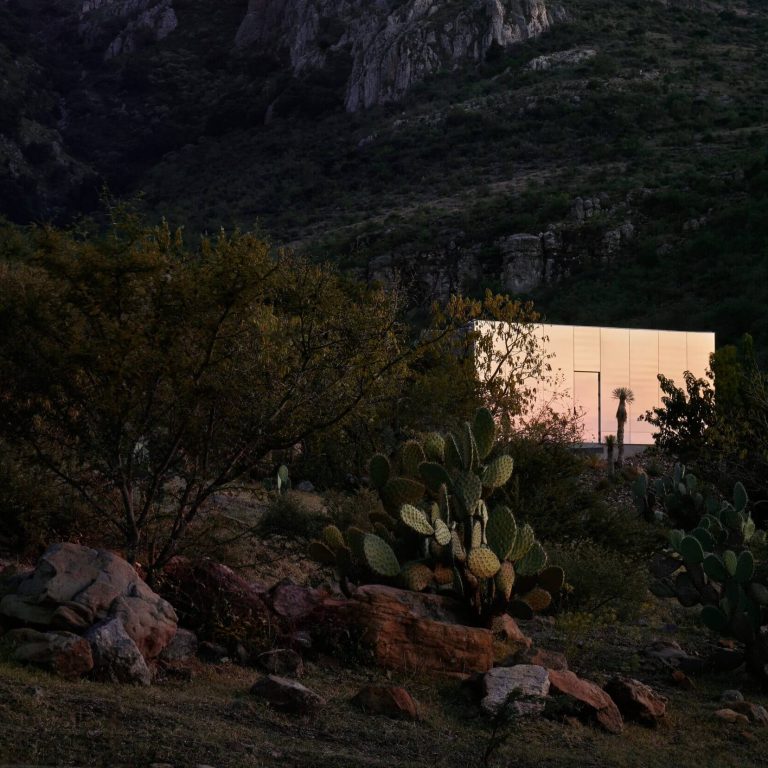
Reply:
x=636, y=700
x=527, y=682
x=596, y=701
x=74, y=587
x=64, y=653
x=404, y=630
x=116, y=657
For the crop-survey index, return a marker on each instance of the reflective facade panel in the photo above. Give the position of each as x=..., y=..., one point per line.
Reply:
x=589, y=362
x=644, y=356
x=614, y=372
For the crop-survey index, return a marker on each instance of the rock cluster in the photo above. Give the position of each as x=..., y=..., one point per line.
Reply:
x=390, y=45
x=85, y=609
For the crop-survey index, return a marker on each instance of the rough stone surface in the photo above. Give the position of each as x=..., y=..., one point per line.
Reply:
x=292, y=602
x=530, y=680
x=670, y=654
x=731, y=716
x=390, y=700
x=287, y=695
x=391, y=45
x=637, y=701
x=730, y=696
x=405, y=630
x=73, y=587
x=281, y=661
x=115, y=656
x=64, y=653
x=591, y=695
x=756, y=713
x=567, y=58
x=509, y=629
x=183, y=646
x=542, y=658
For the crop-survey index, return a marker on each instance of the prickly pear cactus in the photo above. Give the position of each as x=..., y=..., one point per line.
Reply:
x=442, y=530
x=713, y=566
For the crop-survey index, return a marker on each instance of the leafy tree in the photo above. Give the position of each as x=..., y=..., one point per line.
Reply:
x=147, y=376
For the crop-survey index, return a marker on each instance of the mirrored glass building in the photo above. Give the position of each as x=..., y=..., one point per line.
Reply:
x=589, y=362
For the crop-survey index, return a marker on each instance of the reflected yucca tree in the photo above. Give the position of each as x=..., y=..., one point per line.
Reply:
x=624, y=395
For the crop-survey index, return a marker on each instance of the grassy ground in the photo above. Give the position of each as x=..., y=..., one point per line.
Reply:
x=212, y=720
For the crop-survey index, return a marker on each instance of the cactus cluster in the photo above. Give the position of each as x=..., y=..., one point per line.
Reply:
x=438, y=531
x=713, y=566
x=678, y=494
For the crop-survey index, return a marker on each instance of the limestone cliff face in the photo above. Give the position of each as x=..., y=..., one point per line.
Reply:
x=393, y=44
x=122, y=26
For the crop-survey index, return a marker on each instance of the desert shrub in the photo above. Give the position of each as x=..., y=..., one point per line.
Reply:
x=355, y=509
x=287, y=515
x=600, y=579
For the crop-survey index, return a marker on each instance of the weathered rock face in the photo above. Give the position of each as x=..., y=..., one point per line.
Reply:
x=391, y=45
x=116, y=657
x=405, y=630
x=529, y=680
x=74, y=587
x=64, y=653
x=122, y=26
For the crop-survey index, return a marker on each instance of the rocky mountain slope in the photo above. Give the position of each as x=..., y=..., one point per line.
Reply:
x=610, y=165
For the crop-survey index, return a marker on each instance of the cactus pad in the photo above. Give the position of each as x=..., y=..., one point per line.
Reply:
x=551, y=579
x=457, y=548
x=740, y=497
x=416, y=520
x=399, y=491
x=539, y=599
x=691, y=550
x=411, y=456
x=434, y=447
x=452, y=453
x=745, y=567
x=501, y=531
x=505, y=579
x=333, y=538
x=434, y=475
x=355, y=538
x=416, y=576
x=483, y=562
x=715, y=568
x=442, y=533
x=523, y=542
x=383, y=532
x=468, y=490
x=379, y=556
x=321, y=553
x=484, y=429
x=533, y=561
x=730, y=561
x=383, y=518
x=379, y=470
x=498, y=472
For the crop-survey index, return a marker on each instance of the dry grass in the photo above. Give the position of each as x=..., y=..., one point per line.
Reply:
x=213, y=721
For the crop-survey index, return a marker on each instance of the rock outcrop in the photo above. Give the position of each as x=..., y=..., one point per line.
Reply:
x=74, y=587
x=122, y=26
x=389, y=45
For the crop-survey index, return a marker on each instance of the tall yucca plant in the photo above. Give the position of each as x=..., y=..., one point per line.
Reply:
x=624, y=395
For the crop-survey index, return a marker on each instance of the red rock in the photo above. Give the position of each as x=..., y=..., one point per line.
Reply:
x=682, y=680
x=731, y=716
x=637, y=701
x=756, y=713
x=405, y=630
x=64, y=653
x=542, y=658
x=292, y=602
x=388, y=700
x=281, y=661
x=508, y=628
x=588, y=693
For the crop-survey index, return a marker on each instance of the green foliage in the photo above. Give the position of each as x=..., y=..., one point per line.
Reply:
x=441, y=534
x=715, y=567
x=147, y=376
x=601, y=579
x=286, y=515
